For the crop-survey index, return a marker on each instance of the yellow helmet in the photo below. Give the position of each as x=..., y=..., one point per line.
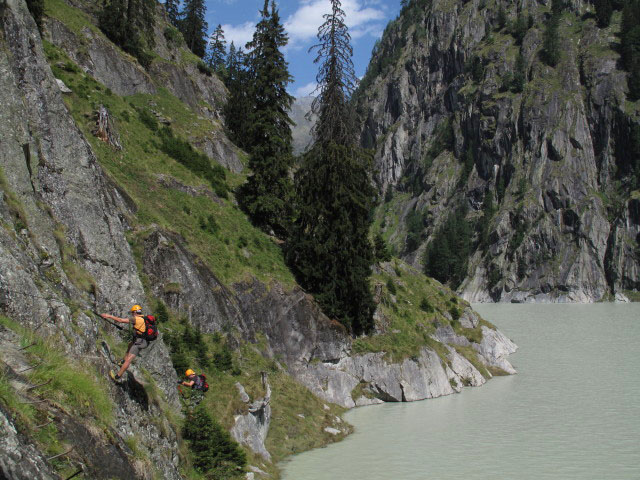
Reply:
x=189, y=372
x=136, y=308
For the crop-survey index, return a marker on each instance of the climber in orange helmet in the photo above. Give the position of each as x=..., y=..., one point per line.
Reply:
x=144, y=331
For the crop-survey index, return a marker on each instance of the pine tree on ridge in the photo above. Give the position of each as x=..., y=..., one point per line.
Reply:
x=329, y=247
x=194, y=27
x=266, y=196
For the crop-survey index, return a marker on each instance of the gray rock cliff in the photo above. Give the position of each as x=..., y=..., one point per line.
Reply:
x=553, y=156
x=49, y=222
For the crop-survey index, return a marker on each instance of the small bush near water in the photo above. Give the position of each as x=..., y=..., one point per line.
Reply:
x=214, y=451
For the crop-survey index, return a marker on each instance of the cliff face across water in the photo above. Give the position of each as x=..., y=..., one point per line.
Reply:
x=90, y=226
x=458, y=106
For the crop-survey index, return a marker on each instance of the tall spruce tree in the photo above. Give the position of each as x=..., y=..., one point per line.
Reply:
x=266, y=196
x=329, y=247
x=216, y=454
x=630, y=46
x=604, y=9
x=171, y=7
x=551, y=41
x=194, y=27
x=217, y=49
x=129, y=24
x=447, y=256
x=238, y=106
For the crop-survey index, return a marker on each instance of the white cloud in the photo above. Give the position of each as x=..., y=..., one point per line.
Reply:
x=239, y=34
x=302, y=25
x=375, y=30
x=305, y=90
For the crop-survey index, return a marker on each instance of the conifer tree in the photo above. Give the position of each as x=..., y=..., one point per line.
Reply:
x=519, y=75
x=129, y=24
x=381, y=249
x=217, y=49
x=501, y=19
x=447, y=256
x=630, y=45
x=215, y=452
x=551, y=41
x=266, y=196
x=171, y=7
x=329, y=247
x=604, y=9
x=519, y=28
x=238, y=107
x=194, y=27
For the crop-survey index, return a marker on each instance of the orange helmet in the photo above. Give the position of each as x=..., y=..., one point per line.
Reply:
x=136, y=308
x=189, y=372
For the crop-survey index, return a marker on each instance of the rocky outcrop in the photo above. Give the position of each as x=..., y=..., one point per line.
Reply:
x=88, y=47
x=219, y=148
x=20, y=460
x=98, y=57
x=301, y=131
x=251, y=429
x=188, y=286
x=295, y=328
x=426, y=375
x=553, y=156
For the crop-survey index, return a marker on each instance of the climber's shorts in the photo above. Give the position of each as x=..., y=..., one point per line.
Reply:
x=138, y=345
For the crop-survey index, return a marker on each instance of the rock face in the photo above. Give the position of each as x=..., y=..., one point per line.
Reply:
x=316, y=350
x=554, y=156
x=424, y=376
x=301, y=131
x=97, y=56
x=251, y=429
x=20, y=460
x=51, y=223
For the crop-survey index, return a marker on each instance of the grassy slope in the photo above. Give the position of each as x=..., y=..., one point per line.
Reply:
x=137, y=166
x=135, y=169
x=74, y=386
x=415, y=305
x=236, y=250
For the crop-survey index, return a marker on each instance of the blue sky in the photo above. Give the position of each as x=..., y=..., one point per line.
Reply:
x=366, y=20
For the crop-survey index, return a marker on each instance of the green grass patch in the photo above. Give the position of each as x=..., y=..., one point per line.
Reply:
x=289, y=433
x=16, y=208
x=73, y=18
x=472, y=356
x=74, y=384
x=137, y=166
x=414, y=316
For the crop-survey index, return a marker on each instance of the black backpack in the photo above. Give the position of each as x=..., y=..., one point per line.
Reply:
x=201, y=383
x=150, y=328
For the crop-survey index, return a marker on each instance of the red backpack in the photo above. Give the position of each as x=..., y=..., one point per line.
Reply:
x=150, y=328
x=201, y=383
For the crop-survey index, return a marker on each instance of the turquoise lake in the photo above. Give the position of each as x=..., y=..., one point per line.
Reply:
x=571, y=412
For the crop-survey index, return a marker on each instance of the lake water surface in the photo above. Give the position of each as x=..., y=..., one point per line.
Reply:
x=572, y=412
